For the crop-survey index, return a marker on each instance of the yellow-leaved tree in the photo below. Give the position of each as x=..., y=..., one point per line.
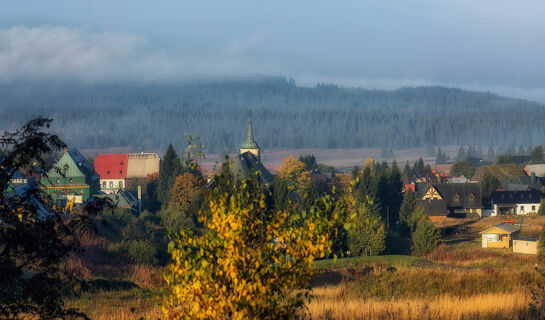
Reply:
x=249, y=262
x=295, y=173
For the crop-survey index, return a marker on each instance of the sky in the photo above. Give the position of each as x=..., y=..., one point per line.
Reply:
x=485, y=45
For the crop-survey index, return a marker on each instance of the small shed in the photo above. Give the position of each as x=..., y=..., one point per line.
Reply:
x=500, y=236
x=525, y=245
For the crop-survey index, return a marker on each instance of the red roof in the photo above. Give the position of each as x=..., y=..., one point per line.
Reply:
x=111, y=166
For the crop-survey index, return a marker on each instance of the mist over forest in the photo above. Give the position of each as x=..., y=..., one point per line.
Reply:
x=150, y=116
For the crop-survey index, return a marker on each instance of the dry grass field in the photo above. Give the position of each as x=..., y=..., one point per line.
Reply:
x=458, y=280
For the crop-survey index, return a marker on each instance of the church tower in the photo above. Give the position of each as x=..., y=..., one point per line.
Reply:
x=250, y=145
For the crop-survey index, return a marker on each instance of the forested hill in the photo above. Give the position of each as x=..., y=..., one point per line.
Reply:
x=148, y=117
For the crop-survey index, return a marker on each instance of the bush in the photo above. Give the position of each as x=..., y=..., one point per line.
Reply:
x=425, y=238
x=175, y=220
x=136, y=251
x=368, y=235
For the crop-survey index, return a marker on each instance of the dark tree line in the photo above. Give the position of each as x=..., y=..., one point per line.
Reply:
x=149, y=117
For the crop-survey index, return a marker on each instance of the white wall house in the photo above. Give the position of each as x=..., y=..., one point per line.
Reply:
x=516, y=202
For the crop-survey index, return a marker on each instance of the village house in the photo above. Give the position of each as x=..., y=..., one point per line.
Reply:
x=500, y=236
x=112, y=169
x=457, y=200
x=537, y=169
x=72, y=177
x=525, y=245
x=515, y=202
x=125, y=171
x=500, y=171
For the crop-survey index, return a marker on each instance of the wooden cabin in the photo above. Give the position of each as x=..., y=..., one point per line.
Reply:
x=500, y=236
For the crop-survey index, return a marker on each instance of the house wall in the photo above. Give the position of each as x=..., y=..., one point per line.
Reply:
x=494, y=240
x=526, y=208
x=105, y=185
x=525, y=246
x=254, y=151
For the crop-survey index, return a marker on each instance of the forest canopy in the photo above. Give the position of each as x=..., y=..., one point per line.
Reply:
x=150, y=116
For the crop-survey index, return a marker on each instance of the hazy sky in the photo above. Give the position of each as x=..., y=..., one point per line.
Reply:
x=490, y=45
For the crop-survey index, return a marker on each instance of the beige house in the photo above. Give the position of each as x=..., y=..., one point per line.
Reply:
x=500, y=236
x=525, y=245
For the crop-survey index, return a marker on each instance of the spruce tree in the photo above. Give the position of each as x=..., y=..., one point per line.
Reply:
x=537, y=155
x=425, y=238
x=170, y=167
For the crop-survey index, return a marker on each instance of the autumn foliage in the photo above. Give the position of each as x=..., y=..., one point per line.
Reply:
x=250, y=262
x=295, y=173
x=186, y=188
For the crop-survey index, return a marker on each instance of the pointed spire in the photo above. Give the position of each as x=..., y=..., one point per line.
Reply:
x=250, y=132
x=250, y=141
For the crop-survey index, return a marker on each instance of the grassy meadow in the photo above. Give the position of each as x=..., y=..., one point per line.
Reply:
x=458, y=280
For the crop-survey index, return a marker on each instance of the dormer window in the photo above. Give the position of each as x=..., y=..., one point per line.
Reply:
x=120, y=171
x=108, y=172
x=121, y=163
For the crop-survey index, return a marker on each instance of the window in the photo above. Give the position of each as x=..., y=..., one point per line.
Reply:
x=108, y=172
x=533, y=208
x=121, y=163
x=111, y=184
x=521, y=208
x=121, y=184
x=71, y=180
x=120, y=171
x=103, y=184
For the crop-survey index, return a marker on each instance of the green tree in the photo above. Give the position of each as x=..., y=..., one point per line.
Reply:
x=488, y=185
x=504, y=158
x=541, y=210
x=35, y=240
x=309, y=161
x=462, y=168
x=491, y=155
x=461, y=156
x=541, y=246
x=426, y=237
x=368, y=234
x=169, y=169
x=537, y=155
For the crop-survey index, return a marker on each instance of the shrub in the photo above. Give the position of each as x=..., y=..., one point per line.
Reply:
x=368, y=235
x=142, y=252
x=425, y=238
x=541, y=246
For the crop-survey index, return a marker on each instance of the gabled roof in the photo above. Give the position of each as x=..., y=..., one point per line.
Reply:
x=247, y=162
x=506, y=227
x=121, y=199
x=522, y=183
x=466, y=195
x=72, y=164
x=111, y=166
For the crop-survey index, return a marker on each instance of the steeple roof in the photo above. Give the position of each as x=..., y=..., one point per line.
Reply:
x=250, y=142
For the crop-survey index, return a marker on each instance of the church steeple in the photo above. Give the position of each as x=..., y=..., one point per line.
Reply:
x=250, y=145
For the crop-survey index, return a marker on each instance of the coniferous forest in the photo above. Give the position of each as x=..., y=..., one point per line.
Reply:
x=285, y=115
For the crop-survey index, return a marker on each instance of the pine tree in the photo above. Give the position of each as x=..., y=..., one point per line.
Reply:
x=541, y=210
x=425, y=238
x=170, y=168
x=461, y=154
x=537, y=155
x=541, y=246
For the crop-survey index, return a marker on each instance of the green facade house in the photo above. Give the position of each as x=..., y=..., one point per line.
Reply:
x=72, y=177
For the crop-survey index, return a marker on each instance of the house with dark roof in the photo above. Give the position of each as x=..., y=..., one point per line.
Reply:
x=456, y=200
x=249, y=158
x=516, y=201
x=71, y=177
x=521, y=183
